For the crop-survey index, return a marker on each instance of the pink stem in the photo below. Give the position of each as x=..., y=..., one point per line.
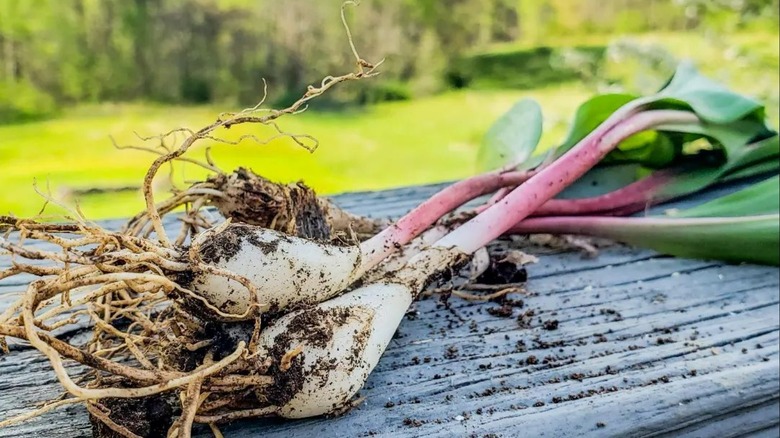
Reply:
x=529, y=196
x=499, y=195
x=630, y=209
x=623, y=201
x=635, y=195
x=614, y=227
x=426, y=214
x=503, y=191
x=583, y=225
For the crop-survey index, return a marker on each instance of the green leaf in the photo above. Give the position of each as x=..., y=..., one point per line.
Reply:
x=694, y=172
x=732, y=136
x=710, y=100
x=752, y=239
x=750, y=154
x=737, y=141
x=649, y=148
x=726, y=127
x=743, y=157
x=601, y=180
x=738, y=227
x=666, y=146
x=761, y=167
x=725, y=114
x=512, y=138
x=731, y=119
x=590, y=115
x=759, y=198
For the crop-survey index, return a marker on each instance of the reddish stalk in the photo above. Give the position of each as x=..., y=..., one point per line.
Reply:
x=540, y=188
x=635, y=195
x=626, y=200
x=426, y=214
x=618, y=227
x=376, y=249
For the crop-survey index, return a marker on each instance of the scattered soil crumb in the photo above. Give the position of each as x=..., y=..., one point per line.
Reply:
x=525, y=319
x=451, y=353
x=505, y=311
x=146, y=416
x=504, y=269
x=413, y=422
x=613, y=313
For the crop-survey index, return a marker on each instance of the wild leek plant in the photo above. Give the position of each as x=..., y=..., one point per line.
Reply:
x=614, y=130
x=727, y=140
x=740, y=227
x=388, y=299
x=244, y=321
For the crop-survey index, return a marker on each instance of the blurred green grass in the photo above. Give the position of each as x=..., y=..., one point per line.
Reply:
x=386, y=145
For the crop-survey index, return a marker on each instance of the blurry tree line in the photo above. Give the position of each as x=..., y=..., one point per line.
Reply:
x=55, y=52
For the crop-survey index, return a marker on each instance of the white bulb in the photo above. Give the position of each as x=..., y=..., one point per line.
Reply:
x=286, y=270
x=340, y=345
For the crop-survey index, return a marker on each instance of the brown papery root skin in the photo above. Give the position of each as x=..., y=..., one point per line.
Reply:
x=294, y=209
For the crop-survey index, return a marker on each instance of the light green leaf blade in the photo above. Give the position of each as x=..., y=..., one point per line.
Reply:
x=758, y=152
x=757, y=199
x=753, y=239
x=743, y=226
x=710, y=100
x=648, y=148
x=739, y=227
x=731, y=123
x=512, y=138
x=590, y=115
x=750, y=159
x=693, y=173
x=771, y=165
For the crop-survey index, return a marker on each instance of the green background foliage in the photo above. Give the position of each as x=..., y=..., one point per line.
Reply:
x=74, y=72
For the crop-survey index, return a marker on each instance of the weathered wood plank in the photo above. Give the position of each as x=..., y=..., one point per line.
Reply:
x=645, y=345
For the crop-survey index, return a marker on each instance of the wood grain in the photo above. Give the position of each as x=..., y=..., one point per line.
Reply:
x=645, y=345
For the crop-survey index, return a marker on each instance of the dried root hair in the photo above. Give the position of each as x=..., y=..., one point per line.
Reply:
x=124, y=285
x=246, y=197
x=215, y=190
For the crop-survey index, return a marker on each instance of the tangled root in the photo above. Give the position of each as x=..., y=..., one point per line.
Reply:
x=153, y=366
x=146, y=354
x=293, y=209
x=143, y=346
x=246, y=197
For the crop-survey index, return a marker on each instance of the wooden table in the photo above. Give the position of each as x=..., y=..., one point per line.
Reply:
x=644, y=345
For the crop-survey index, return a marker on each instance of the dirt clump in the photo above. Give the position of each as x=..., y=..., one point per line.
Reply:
x=293, y=209
x=505, y=268
x=149, y=417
